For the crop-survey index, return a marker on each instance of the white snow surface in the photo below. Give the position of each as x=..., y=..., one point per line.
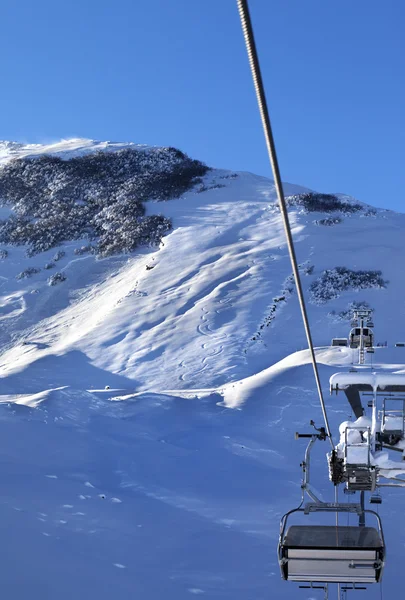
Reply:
x=393, y=424
x=147, y=438
x=357, y=455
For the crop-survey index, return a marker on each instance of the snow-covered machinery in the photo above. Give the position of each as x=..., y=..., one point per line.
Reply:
x=350, y=462
x=360, y=459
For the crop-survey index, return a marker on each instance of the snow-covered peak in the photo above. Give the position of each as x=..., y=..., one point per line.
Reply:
x=64, y=149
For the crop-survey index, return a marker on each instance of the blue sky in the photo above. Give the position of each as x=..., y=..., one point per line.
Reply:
x=175, y=73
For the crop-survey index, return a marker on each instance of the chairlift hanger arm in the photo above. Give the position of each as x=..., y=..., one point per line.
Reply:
x=306, y=463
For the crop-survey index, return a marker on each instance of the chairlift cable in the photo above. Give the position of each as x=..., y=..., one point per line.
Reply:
x=268, y=134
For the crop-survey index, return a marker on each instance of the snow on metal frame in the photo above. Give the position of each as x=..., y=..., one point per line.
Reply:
x=377, y=381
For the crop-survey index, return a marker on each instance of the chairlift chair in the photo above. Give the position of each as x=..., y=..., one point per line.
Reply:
x=331, y=553
x=354, y=337
x=358, y=472
x=368, y=337
x=392, y=420
x=340, y=342
x=357, y=333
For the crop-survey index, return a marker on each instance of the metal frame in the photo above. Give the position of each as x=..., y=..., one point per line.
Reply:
x=324, y=587
x=306, y=470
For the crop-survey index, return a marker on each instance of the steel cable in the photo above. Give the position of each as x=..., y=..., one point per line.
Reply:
x=268, y=134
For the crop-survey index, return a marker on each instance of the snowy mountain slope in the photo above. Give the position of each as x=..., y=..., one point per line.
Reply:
x=156, y=487
x=213, y=282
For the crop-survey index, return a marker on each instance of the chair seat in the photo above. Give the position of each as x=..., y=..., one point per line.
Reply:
x=329, y=536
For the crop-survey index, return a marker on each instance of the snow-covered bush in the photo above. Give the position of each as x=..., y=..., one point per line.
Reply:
x=56, y=278
x=212, y=186
x=308, y=270
x=49, y=265
x=84, y=250
x=126, y=235
x=230, y=176
x=314, y=202
x=3, y=253
x=370, y=212
x=347, y=314
x=329, y=221
x=27, y=273
x=279, y=301
x=58, y=255
x=57, y=200
x=333, y=282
